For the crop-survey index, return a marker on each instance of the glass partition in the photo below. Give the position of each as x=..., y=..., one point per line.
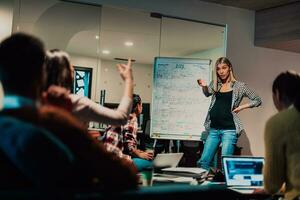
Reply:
x=97, y=37
x=192, y=39
x=71, y=27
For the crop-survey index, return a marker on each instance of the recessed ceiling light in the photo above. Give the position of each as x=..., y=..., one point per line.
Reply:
x=128, y=43
x=106, y=52
x=97, y=37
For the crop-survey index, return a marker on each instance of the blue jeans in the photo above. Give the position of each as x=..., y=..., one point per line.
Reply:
x=228, y=138
x=142, y=164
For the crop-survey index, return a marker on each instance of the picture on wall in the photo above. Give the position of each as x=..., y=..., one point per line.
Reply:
x=82, y=81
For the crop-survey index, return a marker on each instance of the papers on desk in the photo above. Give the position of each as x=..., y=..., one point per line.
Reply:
x=172, y=179
x=185, y=171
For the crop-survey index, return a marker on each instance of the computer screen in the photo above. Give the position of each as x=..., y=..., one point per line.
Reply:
x=243, y=171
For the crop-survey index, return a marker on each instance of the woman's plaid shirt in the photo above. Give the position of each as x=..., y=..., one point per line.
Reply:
x=240, y=90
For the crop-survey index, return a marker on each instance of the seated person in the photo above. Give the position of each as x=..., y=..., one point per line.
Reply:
x=282, y=138
x=123, y=140
x=21, y=73
x=59, y=81
x=24, y=163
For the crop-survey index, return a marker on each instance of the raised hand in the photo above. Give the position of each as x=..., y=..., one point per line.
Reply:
x=201, y=82
x=125, y=71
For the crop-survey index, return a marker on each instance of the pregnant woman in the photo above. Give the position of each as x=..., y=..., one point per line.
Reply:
x=222, y=122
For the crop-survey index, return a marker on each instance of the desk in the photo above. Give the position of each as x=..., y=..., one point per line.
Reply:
x=190, y=192
x=185, y=191
x=163, y=192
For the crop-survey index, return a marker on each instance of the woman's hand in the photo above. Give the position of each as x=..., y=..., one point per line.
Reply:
x=237, y=109
x=241, y=107
x=125, y=71
x=201, y=82
x=145, y=155
x=57, y=96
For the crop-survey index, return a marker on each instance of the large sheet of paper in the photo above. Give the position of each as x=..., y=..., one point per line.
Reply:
x=179, y=106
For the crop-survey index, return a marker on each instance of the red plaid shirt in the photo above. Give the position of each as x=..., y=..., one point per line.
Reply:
x=119, y=139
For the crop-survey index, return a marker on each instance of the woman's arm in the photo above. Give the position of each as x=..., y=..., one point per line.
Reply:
x=207, y=90
x=255, y=100
x=85, y=109
x=142, y=154
x=126, y=74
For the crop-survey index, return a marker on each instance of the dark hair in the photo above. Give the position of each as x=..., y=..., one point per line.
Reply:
x=58, y=71
x=287, y=84
x=21, y=63
x=136, y=99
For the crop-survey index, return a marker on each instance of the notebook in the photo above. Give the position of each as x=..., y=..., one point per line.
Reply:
x=195, y=172
x=165, y=160
x=243, y=174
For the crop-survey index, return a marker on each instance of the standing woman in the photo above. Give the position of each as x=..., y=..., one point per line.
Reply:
x=222, y=122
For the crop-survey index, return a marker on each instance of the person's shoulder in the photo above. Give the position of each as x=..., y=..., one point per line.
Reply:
x=17, y=129
x=56, y=115
x=239, y=83
x=10, y=122
x=281, y=119
x=285, y=113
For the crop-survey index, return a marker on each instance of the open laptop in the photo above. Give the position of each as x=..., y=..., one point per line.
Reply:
x=243, y=174
x=165, y=160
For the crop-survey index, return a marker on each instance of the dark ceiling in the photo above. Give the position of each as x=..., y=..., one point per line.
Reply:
x=277, y=22
x=253, y=4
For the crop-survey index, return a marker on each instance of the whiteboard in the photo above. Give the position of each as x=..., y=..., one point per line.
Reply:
x=179, y=107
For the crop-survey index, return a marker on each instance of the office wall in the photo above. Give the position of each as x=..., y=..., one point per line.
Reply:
x=6, y=19
x=254, y=65
x=111, y=81
x=106, y=77
x=90, y=62
x=212, y=54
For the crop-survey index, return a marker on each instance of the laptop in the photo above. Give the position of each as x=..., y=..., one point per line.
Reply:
x=165, y=160
x=243, y=174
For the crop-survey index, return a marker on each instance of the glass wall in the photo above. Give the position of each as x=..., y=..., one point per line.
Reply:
x=191, y=39
x=71, y=27
x=96, y=37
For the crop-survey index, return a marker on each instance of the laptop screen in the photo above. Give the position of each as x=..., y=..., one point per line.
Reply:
x=243, y=171
x=167, y=160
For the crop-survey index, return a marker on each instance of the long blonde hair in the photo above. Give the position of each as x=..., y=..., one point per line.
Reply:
x=216, y=79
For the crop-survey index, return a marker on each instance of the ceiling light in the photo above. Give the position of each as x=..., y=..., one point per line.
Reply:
x=129, y=44
x=106, y=52
x=97, y=37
